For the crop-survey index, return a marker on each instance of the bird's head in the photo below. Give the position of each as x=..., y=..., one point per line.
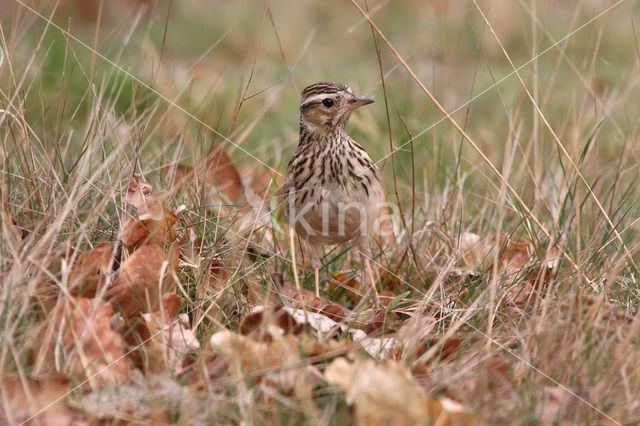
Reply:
x=326, y=107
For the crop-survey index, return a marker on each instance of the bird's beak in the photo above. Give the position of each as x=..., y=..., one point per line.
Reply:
x=358, y=102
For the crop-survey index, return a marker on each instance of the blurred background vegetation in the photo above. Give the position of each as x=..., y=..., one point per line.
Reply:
x=207, y=56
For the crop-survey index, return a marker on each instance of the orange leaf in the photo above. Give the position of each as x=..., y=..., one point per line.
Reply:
x=221, y=172
x=141, y=196
x=137, y=232
x=24, y=397
x=89, y=271
x=137, y=288
x=81, y=329
x=257, y=325
x=167, y=338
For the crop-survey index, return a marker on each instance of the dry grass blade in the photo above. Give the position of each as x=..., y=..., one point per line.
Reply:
x=559, y=142
x=528, y=214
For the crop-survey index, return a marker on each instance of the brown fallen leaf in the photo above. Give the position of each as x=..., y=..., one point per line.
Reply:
x=513, y=254
x=264, y=360
x=377, y=347
x=221, y=172
x=137, y=232
x=141, y=196
x=303, y=297
x=497, y=369
x=89, y=271
x=167, y=338
x=80, y=341
x=386, y=393
x=215, y=171
x=475, y=252
x=258, y=181
x=389, y=281
x=10, y=231
x=145, y=276
x=154, y=223
x=261, y=324
x=379, y=322
x=23, y=398
x=277, y=362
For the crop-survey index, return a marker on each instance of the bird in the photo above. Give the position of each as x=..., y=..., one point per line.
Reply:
x=333, y=191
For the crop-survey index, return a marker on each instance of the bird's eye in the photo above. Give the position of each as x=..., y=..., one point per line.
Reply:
x=328, y=102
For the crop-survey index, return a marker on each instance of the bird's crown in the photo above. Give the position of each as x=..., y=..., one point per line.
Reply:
x=313, y=91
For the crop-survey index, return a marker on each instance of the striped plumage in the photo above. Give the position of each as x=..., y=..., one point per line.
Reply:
x=332, y=187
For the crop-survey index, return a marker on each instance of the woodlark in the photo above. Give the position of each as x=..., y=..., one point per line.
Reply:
x=332, y=188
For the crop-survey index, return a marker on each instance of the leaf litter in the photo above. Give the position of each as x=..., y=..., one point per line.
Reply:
x=128, y=328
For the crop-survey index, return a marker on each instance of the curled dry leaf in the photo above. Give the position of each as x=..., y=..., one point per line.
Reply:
x=141, y=196
x=80, y=341
x=168, y=338
x=221, y=172
x=137, y=232
x=145, y=276
x=513, y=254
x=262, y=323
x=497, y=369
x=380, y=348
x=89, y=271
x=154, y=222
x=539, y=276
x=386, y=393
x=23, y=398
x=303, y=297
x=216, y=278
x=479, y=253
x=379, y=321
x=257, y=182
x=218, y=171
x=277, y=361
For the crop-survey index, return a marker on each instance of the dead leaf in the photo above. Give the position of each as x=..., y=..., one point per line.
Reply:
x=273, y=361
x=137, y=232
x=260, y=324
x=80, y=341
x=11, y=232
x=304, y=298
x=379, y=322
x=145, y=276
x=513, y=254
x=257, y=181
x=476, y=253
x=167, y=338
x=154, y=222
x=221, y=172
x=386, y=393
x=390, y=281
x=377, y=347
x=141, y=196
x=90, y=270
x=23, y=398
